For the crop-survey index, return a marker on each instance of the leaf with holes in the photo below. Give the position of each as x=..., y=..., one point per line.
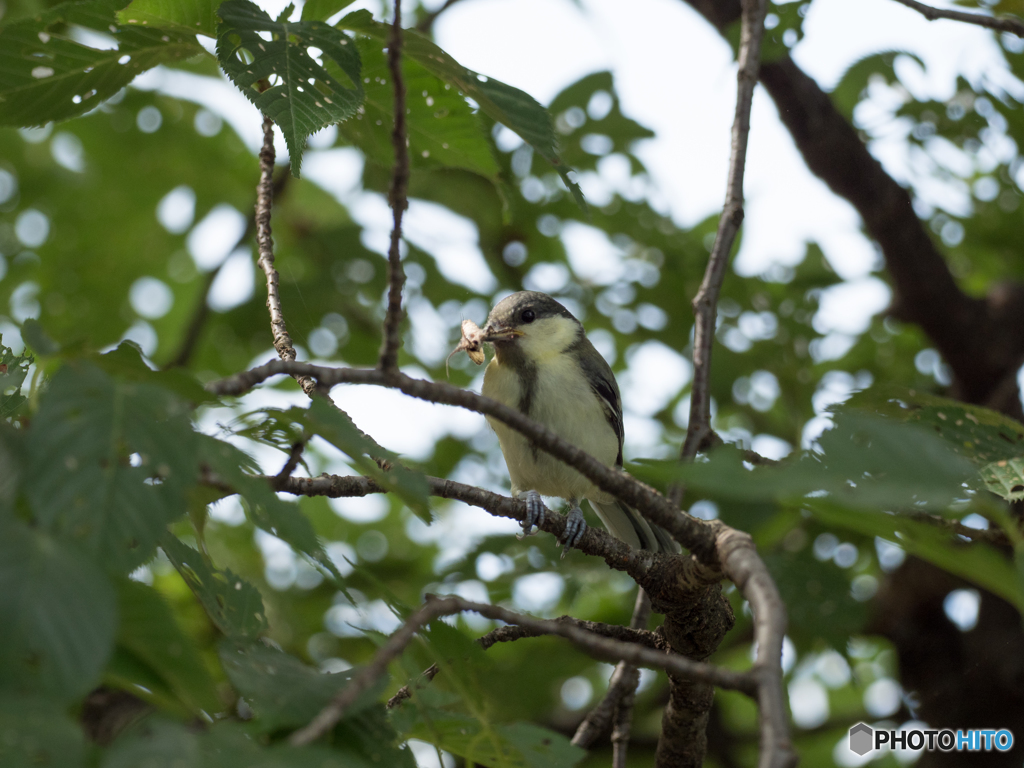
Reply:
x=47, y=74
x=13, y=369
x=992, y=441
x=233, y=605
x=183, y=16
x=444, y=131
x=289, y=70
x=510, y=106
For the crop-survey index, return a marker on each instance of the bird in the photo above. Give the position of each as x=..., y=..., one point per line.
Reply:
x=545, y=366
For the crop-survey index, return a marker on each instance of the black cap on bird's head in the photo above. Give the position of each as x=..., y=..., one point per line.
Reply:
x=510, y=316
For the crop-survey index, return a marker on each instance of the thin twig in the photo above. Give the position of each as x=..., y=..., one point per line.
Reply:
x=510, y=633
x=622, y=722
x=294, y=457
x=201, y=310
x=623, y=679
x=706, y=300
x=425, y=24
x=735, y=549
x=398, y=198
x=999, y=23
x=265, y=246
x=597, y=646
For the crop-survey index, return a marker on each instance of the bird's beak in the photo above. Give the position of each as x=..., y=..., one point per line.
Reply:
x=496, y=332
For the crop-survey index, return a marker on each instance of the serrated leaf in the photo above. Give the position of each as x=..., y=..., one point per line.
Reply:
x=283, y=519
x=304, y=95
x=80, y=477
x=282, y=691
x=149, y=631
x=443, y=130
x=37, y=734
x=233, y=605
x=45, y=74
x=58, y=615
x=337, y=428
x=183, y=16
x=509, y=106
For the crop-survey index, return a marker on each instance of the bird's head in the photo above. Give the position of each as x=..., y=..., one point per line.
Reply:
x=529, y=325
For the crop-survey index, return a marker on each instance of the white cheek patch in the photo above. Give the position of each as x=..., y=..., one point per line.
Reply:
x=548, y=337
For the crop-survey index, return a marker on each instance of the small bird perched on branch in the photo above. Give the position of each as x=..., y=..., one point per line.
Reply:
x=545, y=366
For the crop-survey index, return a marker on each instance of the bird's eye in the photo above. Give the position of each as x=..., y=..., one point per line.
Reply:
x=528, y=315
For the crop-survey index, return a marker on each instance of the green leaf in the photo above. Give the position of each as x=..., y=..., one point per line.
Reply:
x=509, y=106
x=282, y=691
x=149, y=630
x=443, y=130
x=183, y=16
x=976, y=562
x=89, y=431
x=283, y=519
x=303, y=95
x=159, y=743
x=13, y=369
x=322, y=10
x=337, y=428
x=45, y=74
x=993, y=441
x=519, y=745
x=59, y=615
x=233, y=605
x=867, y=461
x=37, y=734
x=36, y=338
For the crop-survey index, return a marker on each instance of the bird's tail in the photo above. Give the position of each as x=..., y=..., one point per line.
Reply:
x=627, y=524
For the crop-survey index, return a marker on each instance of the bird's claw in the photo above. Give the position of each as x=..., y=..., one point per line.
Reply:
x=535, y=510
x=575, y=526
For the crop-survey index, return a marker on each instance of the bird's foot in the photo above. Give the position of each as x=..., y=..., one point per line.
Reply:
x=575, y=526
x=535, y=510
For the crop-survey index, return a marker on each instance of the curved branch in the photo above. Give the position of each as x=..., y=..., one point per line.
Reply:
x=597, y=646
x=265, y=246
x=998, y=23
x=705, y=302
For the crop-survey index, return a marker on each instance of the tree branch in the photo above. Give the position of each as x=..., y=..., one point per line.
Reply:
x=696, y=535
x=201, y=311
x=706, y=300
x=673, y=578
x=399, y=202
x=602, y=648
x=623, y=681
x=998, y=23
x=265, y=246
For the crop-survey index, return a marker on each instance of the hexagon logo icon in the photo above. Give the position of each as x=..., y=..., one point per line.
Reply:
x=861, y=737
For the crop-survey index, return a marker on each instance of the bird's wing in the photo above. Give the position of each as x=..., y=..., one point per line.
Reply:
x=602, y=383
